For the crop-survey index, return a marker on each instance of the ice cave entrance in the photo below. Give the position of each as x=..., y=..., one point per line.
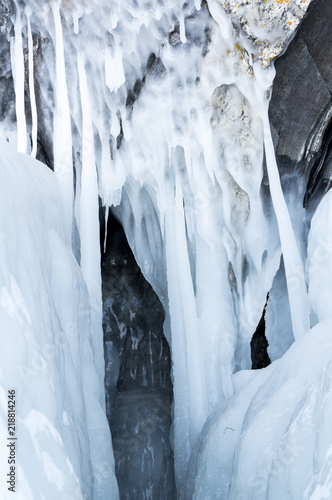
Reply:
x=138, y=384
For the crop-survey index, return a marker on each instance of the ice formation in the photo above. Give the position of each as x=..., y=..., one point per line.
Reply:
x=64, y=446
x=161, y=110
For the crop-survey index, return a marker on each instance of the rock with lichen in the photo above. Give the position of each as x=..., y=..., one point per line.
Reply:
x=267, y=24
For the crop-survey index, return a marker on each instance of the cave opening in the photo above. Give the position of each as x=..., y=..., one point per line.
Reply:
x=259, y=344
x=138, y=385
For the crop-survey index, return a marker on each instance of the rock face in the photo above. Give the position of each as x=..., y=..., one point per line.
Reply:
x=259, y=20
x=137, y=379
x=142, y=451
x=300, y=107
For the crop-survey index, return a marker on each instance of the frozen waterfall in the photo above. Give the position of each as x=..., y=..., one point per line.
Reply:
x=157, y=111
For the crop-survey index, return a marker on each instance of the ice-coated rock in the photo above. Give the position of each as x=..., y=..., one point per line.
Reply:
x=268, y=24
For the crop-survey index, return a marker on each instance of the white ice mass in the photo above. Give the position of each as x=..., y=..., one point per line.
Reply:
x=47, y=354
x=159, y=109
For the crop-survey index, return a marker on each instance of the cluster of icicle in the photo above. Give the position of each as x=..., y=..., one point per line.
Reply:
x=161, y=110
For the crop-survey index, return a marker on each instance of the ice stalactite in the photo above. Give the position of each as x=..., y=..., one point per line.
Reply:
x=34, y=116
x=190, y=394
x=18, y=75
x=89, y=220
x=294, y=268
x=62, y=140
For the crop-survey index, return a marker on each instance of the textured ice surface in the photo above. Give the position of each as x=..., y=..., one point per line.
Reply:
x=319, y=262
x=64, y=447
x=272, y=439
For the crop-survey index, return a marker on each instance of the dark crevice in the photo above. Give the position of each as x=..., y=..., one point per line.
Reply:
x=138, y=383
x=259, y=344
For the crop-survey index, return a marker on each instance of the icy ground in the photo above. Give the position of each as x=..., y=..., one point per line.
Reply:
x=160, y=108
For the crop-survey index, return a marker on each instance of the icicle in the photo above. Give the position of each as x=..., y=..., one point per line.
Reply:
x=107, y=210
x=90, y=260
x=296, y=284
x=89, y=218
x=114, y=72
x=75, y=22
x=188, y=365
x=18, y=76
x=32, y=91
x=198, y=5
x=62, y=144
x=183, y=37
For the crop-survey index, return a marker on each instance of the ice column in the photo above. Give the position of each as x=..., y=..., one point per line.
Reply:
x=62, y=141
x=18, y=76
x=32, y=91
x=89, y=220
x=190, y=396
x=90, y=265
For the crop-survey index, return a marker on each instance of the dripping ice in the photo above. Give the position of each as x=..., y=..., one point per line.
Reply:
x=161, y=110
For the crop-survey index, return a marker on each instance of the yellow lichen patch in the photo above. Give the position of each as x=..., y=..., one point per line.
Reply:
x=275, y=19
x=240, y=51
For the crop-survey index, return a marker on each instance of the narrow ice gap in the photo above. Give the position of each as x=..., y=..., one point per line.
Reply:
x=114, y=72
x=18, y=76
x=32, y=91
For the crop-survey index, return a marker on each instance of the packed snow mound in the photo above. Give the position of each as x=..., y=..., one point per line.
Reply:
x=273, y=438
x=63, y=442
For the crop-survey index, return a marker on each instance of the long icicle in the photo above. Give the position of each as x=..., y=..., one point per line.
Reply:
x=89, y=217
x=32, y=91
x=62, y=144
x=296, y=284
x=18, y=76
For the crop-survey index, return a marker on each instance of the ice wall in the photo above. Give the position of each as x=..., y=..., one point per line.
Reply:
x=63, y=442
x=163, y=106
x=272, y=439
